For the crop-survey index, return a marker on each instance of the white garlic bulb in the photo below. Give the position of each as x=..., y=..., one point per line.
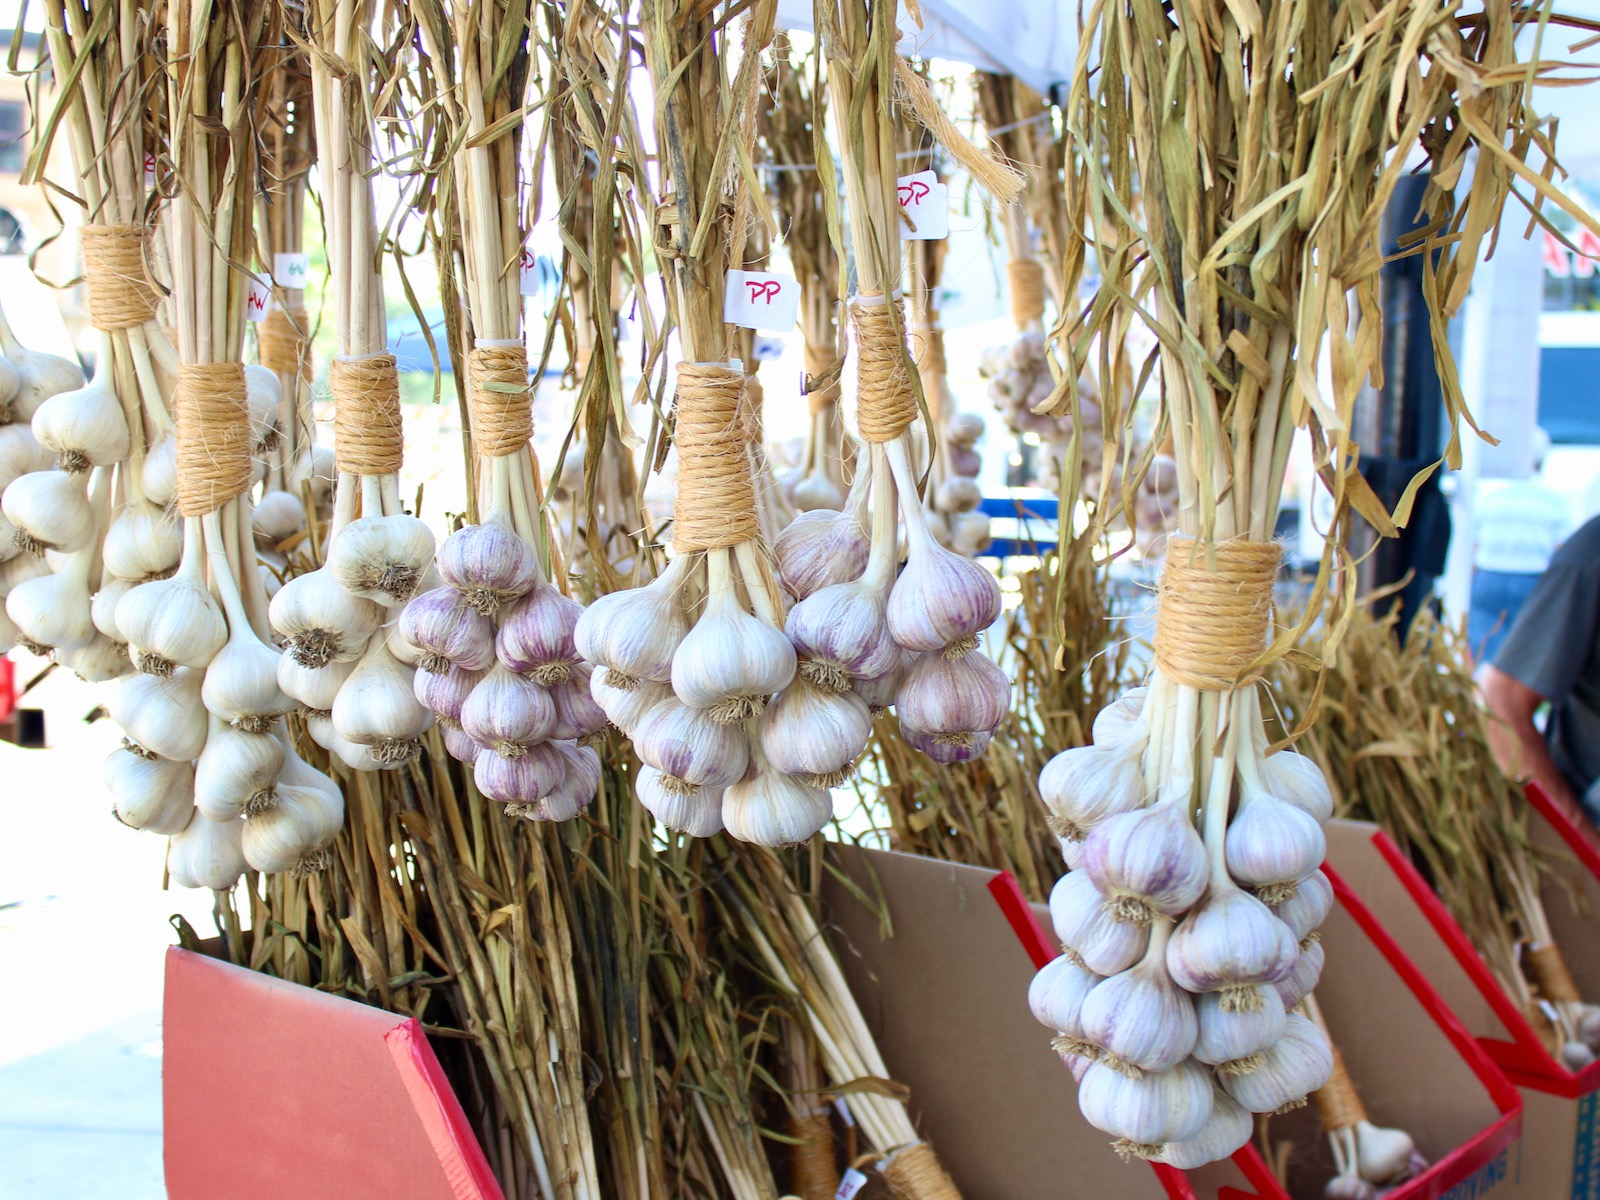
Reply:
x=1079, y=913
x=287, y=836
x=447, y=630
x=159, y=478
x=276, y=517
x=99, y=662
x=730, y=663
x=1293, y=1067
x=236, y=774
x=1297, y=780
x=1272, y=845
x=690, y=751
x=52, y=611
x=815, y=734
x=941, y=600
x=822, y=547
x=84, y=427
x=770, y=808
x=951, y=695
x=1057, y=993
x=1302, y=977
x=634, y=634
x=1147, y=1113
x=20, y=569
x=507, y=713
x=1147, y=862
x=207, y=854
x=1226, y=1132
x=170, y=623
x=153, y=794
x=1121, y=719
x=320, y=622
x=21, y=454
x=696, y=812
x=263, y=392
x=381, y=559
x=1087, y=784
x=162, y=713
x=1230, y=1038
x=489, y=564
x=39, y=376
x=1308, y=907
x=1140, y=1019
x=143, y=542
x=625, y=706
x=241, y=681
x=314, y=687
x=377, y=708
x=1231, y=943
x=50, y=510
x=524, y=778
x=535, y=637
x=1383, y=1154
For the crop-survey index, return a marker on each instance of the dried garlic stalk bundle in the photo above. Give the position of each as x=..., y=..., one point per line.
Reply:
x=1196, y=888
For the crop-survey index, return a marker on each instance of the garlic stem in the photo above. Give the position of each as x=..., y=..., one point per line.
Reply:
x=895, y=452
x=371, y=497
x=192, y=565
x=344, y=504
x=1177, y=779
x=389, y=495
x=1157, y=712
x=755, y=585
x=885, y=549
x=1218, y=795
x=222, y=577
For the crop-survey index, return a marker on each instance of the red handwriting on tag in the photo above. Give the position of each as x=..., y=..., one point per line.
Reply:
x=926, y=203
x=763, y=291
x=259, y=298
x=528, y=273
x=912, y=193
x=758, y=300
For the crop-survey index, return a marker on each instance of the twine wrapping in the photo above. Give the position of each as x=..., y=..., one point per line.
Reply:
x=822, y=363
x=716, y=505
x=1215, y=611
x=914, y=1173
x=367, y=435
x=1027, y=290
x=213, y=436
x=1337, y=1103
x=1550, y=973
x=502, y=399
x=120, y=295
x=885, y=402
x=813, y=1170
x=282, y=345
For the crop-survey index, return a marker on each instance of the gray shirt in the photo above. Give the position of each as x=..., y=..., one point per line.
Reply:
x=1554, y=648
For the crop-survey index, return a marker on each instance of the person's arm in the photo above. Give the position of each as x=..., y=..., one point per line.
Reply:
x=1516, y=742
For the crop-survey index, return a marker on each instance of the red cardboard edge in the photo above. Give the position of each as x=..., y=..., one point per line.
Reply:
x=454, y=1142
x=1583, y=841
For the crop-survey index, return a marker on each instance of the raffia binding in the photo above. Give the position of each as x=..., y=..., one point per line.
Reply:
x=822, y=362
x=367, y=435
x=1551, y=974
x=813, y=1171
x=1027, y=290
x=213, y=436
x=282, y=344
x=1215, y=610
x=502, y=399
x=716, y=505
x=1337, y=1103
x=885, y=402
x=913, y=1173
x=120, y=295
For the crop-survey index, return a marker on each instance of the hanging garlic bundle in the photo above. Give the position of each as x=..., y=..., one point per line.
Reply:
x=378, y=556
x=875, y=637
x=1180, y=822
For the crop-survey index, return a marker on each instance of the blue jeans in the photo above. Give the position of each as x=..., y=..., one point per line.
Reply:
x=1497, y=598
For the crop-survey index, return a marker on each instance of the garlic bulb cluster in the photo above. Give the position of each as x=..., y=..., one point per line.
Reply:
x=1186, y=952
x=498, y=667
x=953, y=491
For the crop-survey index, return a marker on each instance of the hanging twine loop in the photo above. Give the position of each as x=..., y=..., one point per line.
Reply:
x=1215, y=611
x=1550, y=972
x=814, y=1173
x=120, y=295
x=1027, y=290
x=914, y=1173
x=213, y=436
x=885, y=402
x=822, y=377
x=282, y=344
x=367, y=434
x=502, y=399
x=1337, y=1102
x=716, y=505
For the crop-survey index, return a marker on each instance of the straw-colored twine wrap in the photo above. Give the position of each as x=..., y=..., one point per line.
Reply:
x=885, y=402
x=120, y=295
x=1215, y=611
x=814, y=1172
x=213, y=436
x=1338, y=1106
x=502, y=399
x=716, y=505
x=1550, y=972
x=1026, y=278
x=914, y=1173
x=822, y=377
x=282, y=344
x=367, y=434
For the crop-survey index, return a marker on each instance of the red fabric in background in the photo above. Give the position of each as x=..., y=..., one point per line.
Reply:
x=273, y=1089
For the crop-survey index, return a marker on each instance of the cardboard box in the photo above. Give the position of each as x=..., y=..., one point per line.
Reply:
x=946, y=995
x=1558, y=1156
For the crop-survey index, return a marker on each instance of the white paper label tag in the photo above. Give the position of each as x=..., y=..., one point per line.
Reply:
x=757, y=300
x=259, y=298
x=927, y=202
x=290, y=269
x=529, y=274
x=768, y=348
x=149, y=171
x=850, y=1184
x=843, y=1110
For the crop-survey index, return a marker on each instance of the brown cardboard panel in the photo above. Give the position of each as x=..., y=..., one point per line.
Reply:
x=1352, y=854
x=1572, y=904
x=946, y=997
x=1558, y=1157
